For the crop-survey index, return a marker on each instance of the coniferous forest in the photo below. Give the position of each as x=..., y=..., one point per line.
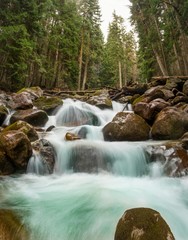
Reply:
x=59, y=44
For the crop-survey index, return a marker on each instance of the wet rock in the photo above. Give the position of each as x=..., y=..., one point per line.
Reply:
x=87, y=159
x=71, y=136
x=3, y=113
x=17, y=148
x=73, y=116
x=11, y=226
x=32, y=116
x=126, y=127
x=24, y=127
x=47, y=154
x=48, y=104
x=142, y=224
x=172, y=156
x=169, y=124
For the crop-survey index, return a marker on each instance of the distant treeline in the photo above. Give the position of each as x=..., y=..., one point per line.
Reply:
x=59, y=43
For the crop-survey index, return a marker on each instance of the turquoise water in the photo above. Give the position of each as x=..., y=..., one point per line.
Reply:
x=83, y=206
x=79, y=206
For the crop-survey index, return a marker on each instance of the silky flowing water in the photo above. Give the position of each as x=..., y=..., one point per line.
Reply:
x=79, y=206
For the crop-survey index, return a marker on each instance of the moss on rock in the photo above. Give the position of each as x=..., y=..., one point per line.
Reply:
x=48, y=104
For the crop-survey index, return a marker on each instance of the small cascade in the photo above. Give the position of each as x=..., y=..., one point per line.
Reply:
x=36, y=165
x=7, y=120
x=73, y=115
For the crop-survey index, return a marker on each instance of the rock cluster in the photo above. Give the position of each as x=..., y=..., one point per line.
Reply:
x=16, y=139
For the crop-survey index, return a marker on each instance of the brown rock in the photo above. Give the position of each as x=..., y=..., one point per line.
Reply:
x=21, y=101
x=126, y=127
x=168, y=125
x=142, y=224
x=24, y=127
x=17, y=147
x=32, y=116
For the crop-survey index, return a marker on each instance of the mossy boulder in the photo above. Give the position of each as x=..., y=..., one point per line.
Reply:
x=24, y=127
x=101, y=100
x=3, y=113
x=34, y=117
x=17, y=147
x=142, y=224
x=11, y=226
x=35, y=92
x=48, y=104
x=126, y=127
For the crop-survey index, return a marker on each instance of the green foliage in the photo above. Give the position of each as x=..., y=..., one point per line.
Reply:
x=119, y=50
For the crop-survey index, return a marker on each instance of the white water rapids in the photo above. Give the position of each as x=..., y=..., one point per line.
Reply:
x=79, y=206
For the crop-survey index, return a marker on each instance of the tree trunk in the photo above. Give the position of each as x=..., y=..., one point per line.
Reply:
x=160, y=63
x=85, y=73
x=120, y=75
x=80, y=64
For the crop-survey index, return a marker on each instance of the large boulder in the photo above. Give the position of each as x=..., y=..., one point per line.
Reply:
x=169, y=124
x=48, y=104
x=148, y=111
x=126, y=127
x=34, y=92
x=142, y=224
x=3, y=113
x=34, y=117
x=11, y=226
x=17, y=148
x=20, y=101
x=24, y=127
x=159, y=92
x=45, y=150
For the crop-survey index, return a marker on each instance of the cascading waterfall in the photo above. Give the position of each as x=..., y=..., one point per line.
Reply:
x=93, y=182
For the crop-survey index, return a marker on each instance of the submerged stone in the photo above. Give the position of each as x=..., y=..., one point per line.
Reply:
x=11, y=227
x=73, y=116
